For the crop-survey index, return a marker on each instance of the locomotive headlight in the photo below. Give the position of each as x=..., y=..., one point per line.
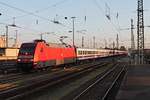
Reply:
x=19, y=60
x=35, y=63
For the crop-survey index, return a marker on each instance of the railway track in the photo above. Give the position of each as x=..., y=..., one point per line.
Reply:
x=9, y=81
x=41, y=83
x=20, y=76
x=103, y=88
x=12, y=77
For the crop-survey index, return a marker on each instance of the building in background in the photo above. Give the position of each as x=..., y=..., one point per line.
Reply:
x=2, y=42
x=8, y=53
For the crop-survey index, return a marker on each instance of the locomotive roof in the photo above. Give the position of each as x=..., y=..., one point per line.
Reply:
x=55, y=45
x=48, y=44
x=52, y=44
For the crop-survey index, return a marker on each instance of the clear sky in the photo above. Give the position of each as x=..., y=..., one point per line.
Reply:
x=34, y=17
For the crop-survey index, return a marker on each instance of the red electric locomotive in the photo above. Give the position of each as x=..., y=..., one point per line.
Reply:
x=40, y=55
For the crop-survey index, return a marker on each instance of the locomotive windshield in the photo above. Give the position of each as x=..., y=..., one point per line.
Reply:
x=27, y=48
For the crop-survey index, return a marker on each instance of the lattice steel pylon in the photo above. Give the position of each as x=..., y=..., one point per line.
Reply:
x=140, y=32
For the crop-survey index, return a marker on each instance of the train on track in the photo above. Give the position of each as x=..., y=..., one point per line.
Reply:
x=39, y=54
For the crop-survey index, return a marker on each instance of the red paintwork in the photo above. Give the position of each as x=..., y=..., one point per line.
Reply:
x=52, y=53
x=44, y=53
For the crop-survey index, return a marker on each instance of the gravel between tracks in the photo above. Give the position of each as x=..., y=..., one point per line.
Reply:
x=61, y=90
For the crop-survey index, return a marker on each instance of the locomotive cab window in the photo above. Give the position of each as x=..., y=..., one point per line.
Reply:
x=27, y=49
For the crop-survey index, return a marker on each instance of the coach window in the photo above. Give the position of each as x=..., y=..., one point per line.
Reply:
x=90, y=52
x=96, y=52
x=80, y=52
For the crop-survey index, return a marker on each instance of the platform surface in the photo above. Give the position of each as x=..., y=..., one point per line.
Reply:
x=136, y=84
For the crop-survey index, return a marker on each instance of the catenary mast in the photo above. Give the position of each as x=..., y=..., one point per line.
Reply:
x=140, y=32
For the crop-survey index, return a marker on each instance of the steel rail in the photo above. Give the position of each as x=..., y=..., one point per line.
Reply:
x=90, y=86
x=113, y=83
